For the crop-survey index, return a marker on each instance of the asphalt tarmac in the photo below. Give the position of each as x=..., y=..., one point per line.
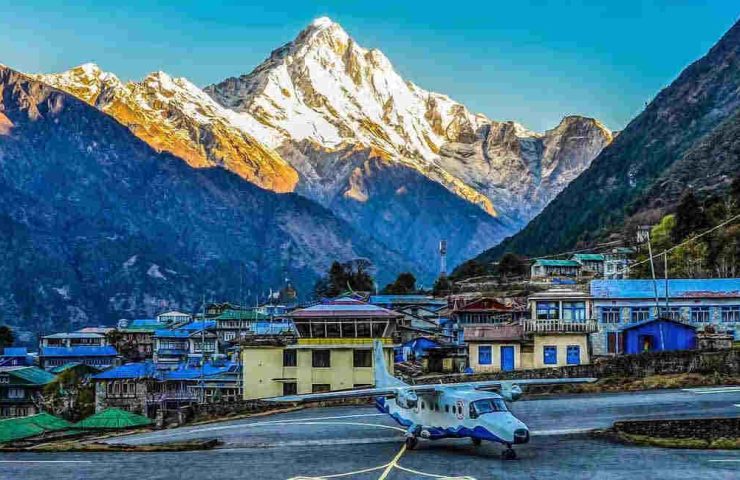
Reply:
x=360, y=443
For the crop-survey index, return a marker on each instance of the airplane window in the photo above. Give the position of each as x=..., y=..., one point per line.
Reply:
x=422, y=405
x=447, y=409
x=489, y=405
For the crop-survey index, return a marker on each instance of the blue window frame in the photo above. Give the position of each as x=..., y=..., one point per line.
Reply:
x=484, y=355
x=610, y=315
x=550, y=354
x=574, y=311
x=638, y=314
x=547, y=311
x=731, y=314
x=700, y=314
x=573, y=356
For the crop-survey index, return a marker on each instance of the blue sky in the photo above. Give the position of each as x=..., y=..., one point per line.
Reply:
x=530, y=61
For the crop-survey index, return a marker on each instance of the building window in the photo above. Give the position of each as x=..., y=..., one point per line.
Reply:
x=320, y=387
x=547, y=310
x=610, y=315
x=290, y=358
x=574, y=311
x=573, y=356
x=362, y=358
x=640, y=314
x=290, y=388
x=731, y=314
x=321, y=359
x=484, y=355
x=700, y=314
x=550, y=354
x=673, y=313
x=16, y=393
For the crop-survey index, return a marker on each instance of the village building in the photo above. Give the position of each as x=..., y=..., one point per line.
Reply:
x=138, y=335
x=91, y=349
x=332, y=350
x=556, y=333
x=21, y=390
x=16, y=357
x=617, y=262
x=398, y=302
x=696, y=302
x=591, y=263
x=549, y=268
x=234, y=324
x=193, y=340
x=483, y=310
x=174, y=318
x=657, y=335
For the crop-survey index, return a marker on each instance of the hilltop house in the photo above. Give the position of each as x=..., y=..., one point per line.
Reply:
x=546, y=268
x=592, y=263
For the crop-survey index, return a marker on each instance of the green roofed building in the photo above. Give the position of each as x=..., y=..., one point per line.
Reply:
x=113, y=418
x=233, y=323
x=12, y=429
x=546, y=268
x=591, y=262
x=21, y=389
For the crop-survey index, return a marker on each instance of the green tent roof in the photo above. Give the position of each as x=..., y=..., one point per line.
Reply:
x=23, y=427
x=113, y=418
x=29, y=375
x=242, y=315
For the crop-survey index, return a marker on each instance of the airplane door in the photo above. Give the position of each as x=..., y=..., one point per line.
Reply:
x=507, y=358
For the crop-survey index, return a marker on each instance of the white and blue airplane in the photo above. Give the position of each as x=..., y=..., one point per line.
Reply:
x=452, y=410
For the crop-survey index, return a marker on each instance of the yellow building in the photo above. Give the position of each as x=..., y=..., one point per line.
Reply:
x=333, y=350
x=310, y=365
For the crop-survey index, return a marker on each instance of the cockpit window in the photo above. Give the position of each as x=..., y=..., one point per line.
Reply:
x=488, y=405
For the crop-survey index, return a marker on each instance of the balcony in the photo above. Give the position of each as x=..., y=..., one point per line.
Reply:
x=558, y=326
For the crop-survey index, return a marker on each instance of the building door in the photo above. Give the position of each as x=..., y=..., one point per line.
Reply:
x=573, y=356
x=507, y=358
x=646, y=343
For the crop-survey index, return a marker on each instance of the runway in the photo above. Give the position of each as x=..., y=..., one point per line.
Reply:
x=360, y=443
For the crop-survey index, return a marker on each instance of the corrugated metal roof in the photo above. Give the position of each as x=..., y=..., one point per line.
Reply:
x=12, y=429
x=75, y=335
x=242, y=315
x=557, y=263
x=339, y=310
x=86, y=351
x=15, y=352
x=198, y=326
x=128, y=370
x=405, y=299
x=589, y=257
x=113, y=418
x=651, y=320
x=32, y=375
x=677, y=288
x=172, y=334
x=194, y=372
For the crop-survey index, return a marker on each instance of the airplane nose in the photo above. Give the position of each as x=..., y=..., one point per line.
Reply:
x=521, y=435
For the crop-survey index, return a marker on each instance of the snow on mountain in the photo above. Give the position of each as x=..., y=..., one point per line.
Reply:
x=324, y=90
x=173, y=115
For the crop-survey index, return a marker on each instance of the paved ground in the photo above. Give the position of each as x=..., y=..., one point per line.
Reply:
x=337, y=441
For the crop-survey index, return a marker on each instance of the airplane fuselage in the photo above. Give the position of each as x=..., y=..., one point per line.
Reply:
x=448, y=413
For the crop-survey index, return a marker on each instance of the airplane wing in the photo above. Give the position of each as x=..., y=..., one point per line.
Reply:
x=493, y=384
x=389, y=392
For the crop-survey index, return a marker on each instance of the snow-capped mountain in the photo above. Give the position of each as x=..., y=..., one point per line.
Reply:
x=173, y=115
x=326, y=93
x=334, y=122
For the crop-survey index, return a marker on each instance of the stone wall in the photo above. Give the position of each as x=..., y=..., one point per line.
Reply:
x=633, y=366
x=704, y=428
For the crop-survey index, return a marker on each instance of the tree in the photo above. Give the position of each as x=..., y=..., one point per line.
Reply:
x=469, y=269
x=689, y=217
x=442, y=286
x=404, y=284
x=6, y=336
x=71, y=395
x=353, y=275
x=511, y=264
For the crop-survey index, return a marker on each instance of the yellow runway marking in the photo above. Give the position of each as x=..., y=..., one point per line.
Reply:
x=393, y=463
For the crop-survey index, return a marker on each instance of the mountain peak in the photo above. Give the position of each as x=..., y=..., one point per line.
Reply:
x=322, y=22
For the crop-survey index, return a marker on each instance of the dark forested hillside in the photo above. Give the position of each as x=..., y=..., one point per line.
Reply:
x=671, y=141
x=95, y=225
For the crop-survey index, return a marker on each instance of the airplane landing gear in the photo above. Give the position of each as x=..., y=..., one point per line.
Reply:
x=411, y=442
x=476, y=441
x=508, y=454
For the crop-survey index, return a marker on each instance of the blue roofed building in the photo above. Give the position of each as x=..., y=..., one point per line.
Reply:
x=658, y=335
x=396, y=302
x=617, y=304
x=15, y=357
x=178, y=345
x=99, y=357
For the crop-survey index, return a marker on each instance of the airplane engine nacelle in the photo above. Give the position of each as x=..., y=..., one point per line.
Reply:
x=407, y=399
x=511, y=392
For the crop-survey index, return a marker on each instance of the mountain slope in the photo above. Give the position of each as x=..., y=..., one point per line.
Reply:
x=173, y=115
x=95, y=225
x=703, y=96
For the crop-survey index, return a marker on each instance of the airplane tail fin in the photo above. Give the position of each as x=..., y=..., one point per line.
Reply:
x=383, y=378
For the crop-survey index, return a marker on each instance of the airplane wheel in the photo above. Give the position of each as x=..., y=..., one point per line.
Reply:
x=508, y=454
x=477, y=441
x=411, y=442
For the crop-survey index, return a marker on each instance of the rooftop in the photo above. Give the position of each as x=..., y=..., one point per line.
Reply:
x=242, y=315
x=15, y=352
x=32, y=375
x=349, y=309
x=559, y=292
x=75, y=335
x=128, y=370
x=557, y=263
x=677, y=288
x=589, y=257
x=84, y=351
x=406, y=300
